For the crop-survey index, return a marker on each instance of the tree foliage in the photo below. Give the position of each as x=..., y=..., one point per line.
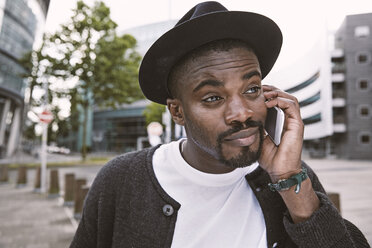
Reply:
x=154, y=112
x=117, y=65
x=104, y=64
x=38, y=70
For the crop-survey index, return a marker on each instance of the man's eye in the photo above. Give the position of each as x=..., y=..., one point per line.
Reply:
x=253, y=90
x=212, y=99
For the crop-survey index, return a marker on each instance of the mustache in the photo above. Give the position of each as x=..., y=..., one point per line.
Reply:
x=238, y=127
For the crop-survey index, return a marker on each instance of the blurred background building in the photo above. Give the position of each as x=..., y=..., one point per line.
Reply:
x=21, y=24
x=352, y=88
x=119, y=130
x=146, y=35
x=308, y=78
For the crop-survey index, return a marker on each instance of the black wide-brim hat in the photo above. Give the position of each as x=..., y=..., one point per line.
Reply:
x=207, y=22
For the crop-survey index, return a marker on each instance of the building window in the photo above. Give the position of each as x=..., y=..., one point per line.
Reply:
x=304, y=84
x=312, y=119
x=363, y=84
x=364, y=111
x=363, y=58
x=361, y=31
x=310, y=100
x=365, y=138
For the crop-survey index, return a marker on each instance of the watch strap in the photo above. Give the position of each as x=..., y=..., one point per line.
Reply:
x=286, y=184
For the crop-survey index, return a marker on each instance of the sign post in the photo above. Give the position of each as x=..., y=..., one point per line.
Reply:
x=45, y=118
x=167, y=121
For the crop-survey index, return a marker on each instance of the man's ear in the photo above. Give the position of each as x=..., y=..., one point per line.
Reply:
x=176, y=111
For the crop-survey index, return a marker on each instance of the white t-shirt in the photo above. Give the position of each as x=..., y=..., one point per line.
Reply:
x=217, y=210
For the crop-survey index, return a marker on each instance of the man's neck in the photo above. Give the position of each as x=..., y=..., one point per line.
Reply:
x=201, y=160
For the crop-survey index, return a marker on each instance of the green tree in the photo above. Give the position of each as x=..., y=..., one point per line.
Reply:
x=153, y=113
x=104, y=64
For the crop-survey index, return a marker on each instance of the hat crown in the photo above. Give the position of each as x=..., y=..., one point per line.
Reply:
x=206, y=22
x=202, y=9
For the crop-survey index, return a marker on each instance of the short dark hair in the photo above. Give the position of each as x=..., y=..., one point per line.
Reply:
x=216, y=46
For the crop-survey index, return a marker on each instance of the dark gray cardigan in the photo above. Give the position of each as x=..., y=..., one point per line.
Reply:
x=126, y=207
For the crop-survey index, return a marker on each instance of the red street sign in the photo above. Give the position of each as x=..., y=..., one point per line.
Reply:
x=46, y=116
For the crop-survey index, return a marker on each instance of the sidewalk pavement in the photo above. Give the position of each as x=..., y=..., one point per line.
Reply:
x=25, y=158
x=352, y=180
x=32, y=220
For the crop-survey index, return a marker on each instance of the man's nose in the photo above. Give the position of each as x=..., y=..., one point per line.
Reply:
x=237, y=110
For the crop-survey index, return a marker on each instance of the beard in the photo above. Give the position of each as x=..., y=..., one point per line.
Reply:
x=244, y=158
x=247, y=155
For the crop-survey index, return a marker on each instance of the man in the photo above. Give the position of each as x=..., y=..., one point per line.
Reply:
x=220, y=187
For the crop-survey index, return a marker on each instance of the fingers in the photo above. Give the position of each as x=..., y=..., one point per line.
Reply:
x=271, y=92
x=290, y=107
x=288, y=103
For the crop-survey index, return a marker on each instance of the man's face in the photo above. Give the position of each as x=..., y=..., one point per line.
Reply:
x=223, y=105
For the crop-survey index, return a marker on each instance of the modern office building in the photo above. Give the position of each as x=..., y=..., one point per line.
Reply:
x=352, y=88
x=119, y=130
x=21, y=22
x=308, y=77
x=146, y=35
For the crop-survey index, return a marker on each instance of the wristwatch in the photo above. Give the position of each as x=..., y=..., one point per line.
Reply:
x=286, y=184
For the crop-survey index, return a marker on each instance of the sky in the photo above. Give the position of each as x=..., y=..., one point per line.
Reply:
x=302, y=22
x=139, y=12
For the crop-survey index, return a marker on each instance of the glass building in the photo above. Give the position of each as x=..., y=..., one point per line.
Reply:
x=21, y=23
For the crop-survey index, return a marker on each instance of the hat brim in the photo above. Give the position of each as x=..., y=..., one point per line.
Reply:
x=258, y=31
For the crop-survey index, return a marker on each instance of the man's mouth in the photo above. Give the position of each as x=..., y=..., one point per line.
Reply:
x=244, y=137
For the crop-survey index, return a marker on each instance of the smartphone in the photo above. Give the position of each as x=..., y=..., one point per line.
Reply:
x=274, y=124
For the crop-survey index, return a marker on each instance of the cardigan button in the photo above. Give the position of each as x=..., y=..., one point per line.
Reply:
x=275, y=245
x=258, y=189
x=168, y=210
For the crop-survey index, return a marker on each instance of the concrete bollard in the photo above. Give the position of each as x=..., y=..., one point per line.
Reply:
x=4, y=177
x=53, y=184
x=69, y=189
x=80, y=182
x=22, y=176
x=79, y=201
x=38, y=180
x=335, y=198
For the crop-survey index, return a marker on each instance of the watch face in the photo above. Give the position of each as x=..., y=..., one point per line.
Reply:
x=284, y=184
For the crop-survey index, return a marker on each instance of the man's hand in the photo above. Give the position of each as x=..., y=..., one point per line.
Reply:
x=284, y=161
